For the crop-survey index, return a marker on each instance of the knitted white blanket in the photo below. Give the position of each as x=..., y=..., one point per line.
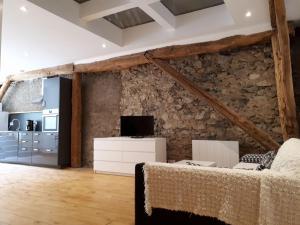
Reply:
x=237, y=197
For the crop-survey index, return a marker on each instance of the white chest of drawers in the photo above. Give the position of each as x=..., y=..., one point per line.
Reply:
x=119, y=155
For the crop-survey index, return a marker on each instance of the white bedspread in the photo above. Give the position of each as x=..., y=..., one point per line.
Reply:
x=237, y=197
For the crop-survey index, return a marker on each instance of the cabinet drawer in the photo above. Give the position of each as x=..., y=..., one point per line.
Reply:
x=108, y=156
x=10, y=154
x=8, y=143
x=45, y=140
x=24, y=155
x=45, y=150
x=25, y=143
x=8, y=136
x=36, y=135
x=108, y=145
x=139, y=146
x=133, y=146
x=25, y=135
x=46, y=157
x=138, y=157
x=114, y=167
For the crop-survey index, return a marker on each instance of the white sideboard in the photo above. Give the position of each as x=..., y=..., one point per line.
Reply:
x=119, y=155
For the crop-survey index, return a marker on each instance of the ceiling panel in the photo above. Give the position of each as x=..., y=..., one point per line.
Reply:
x=129, y=18
x=179, y=7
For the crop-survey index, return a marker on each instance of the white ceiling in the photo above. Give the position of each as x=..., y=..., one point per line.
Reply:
x=56, y=32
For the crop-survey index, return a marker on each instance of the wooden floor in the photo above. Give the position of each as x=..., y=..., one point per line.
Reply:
x=32, y=195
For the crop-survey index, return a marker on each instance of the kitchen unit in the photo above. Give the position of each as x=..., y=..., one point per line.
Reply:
x=50, y=144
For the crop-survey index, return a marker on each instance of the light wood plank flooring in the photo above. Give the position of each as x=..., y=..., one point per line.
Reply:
x=32, y=195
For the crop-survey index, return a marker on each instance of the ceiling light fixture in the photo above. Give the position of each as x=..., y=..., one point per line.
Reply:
x=26, y=54
x=103, y=45
x=23, y=9
x=248, y=14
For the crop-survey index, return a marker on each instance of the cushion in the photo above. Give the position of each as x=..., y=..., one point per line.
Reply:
x=267, y=160
x=252, y=158
x=287, y=159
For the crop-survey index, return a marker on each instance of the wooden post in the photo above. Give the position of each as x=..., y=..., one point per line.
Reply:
x=250, y=128
x=283, y=70
x=4, y=88
x=76, y=125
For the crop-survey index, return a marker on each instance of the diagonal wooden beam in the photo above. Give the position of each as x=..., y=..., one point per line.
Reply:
x=4, y=88
x=283, y=70
x=250, y=128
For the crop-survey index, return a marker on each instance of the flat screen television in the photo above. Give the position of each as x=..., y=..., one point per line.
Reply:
x=137, y=126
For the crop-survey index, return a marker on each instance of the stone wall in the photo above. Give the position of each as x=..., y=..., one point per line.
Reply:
x=101, y=110
x=243, y=80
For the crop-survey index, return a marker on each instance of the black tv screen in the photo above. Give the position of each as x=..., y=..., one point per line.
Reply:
x=137, y=126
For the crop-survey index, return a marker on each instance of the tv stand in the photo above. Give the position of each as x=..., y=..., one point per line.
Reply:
x=119, y=155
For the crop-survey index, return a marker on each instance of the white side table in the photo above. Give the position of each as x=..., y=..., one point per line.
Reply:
x=197, y=163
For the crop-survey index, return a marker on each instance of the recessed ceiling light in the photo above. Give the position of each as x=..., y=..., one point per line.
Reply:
x=23, y=9
x=103, y=45
x=26, y=54
x=248, y=14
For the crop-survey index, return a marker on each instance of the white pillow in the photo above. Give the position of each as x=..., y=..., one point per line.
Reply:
x=287, y=159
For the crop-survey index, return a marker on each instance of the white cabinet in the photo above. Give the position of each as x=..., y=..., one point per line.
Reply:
x=224, y=153
x=119, y=155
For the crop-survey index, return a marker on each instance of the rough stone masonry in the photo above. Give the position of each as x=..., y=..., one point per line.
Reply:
x=242, y=79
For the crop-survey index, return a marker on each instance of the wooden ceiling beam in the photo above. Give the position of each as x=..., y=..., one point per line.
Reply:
x=47, y=72
x=283, y=70
x=118, y=63
x=35, y=74
x=250, y=128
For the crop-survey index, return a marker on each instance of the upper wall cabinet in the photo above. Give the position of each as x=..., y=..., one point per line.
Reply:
x=51, y=93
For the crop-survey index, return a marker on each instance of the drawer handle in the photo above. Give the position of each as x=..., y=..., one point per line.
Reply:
x=23, y=149
x=24, y=134
x=24, y=141
x=35, y=149
x=49, y=150
x=36, y=134
x=50, y=134
x=35, y=141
